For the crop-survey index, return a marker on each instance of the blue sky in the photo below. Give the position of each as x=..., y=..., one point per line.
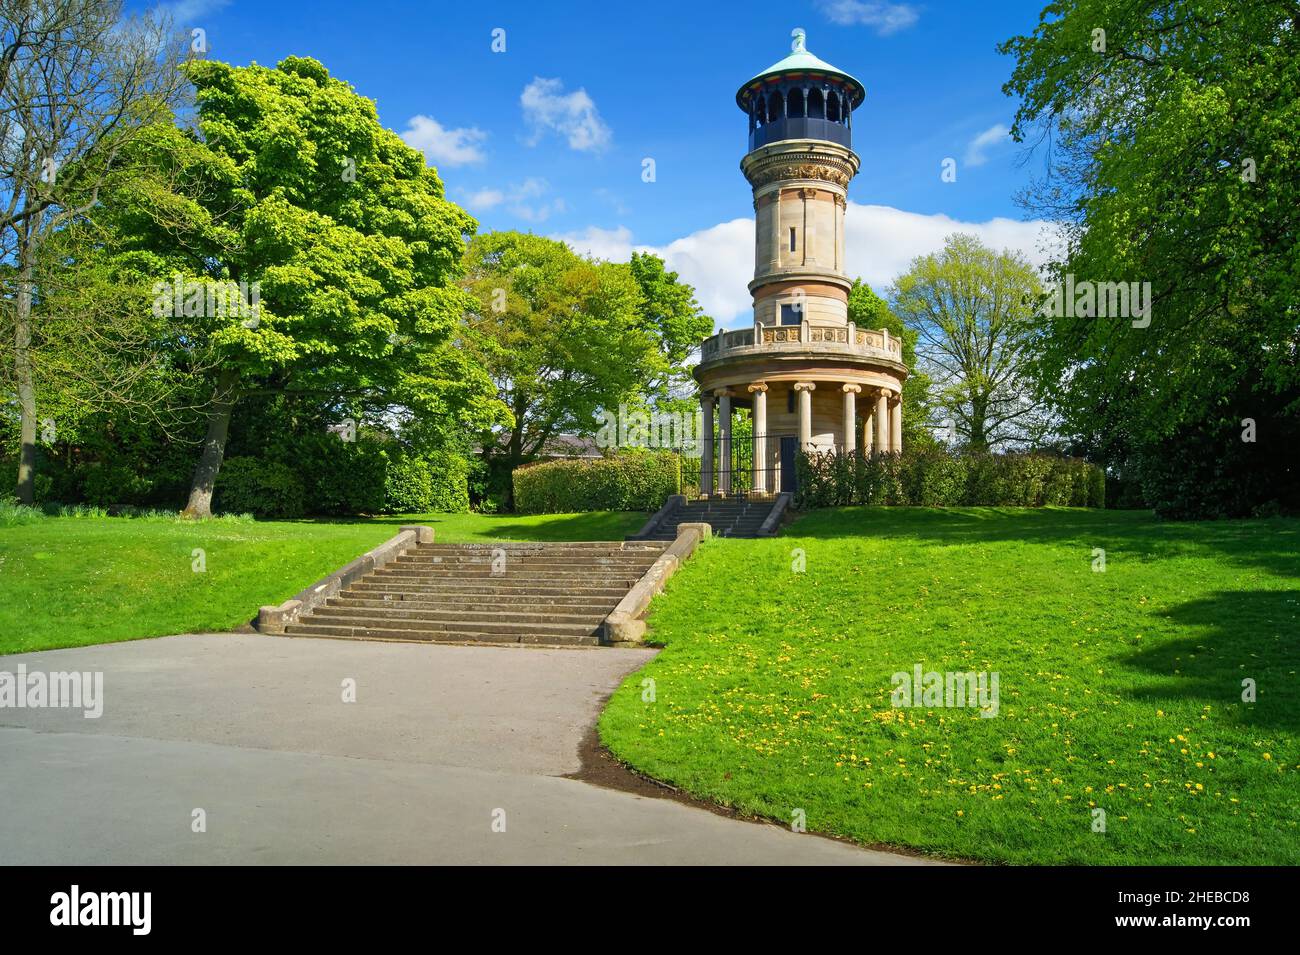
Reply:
x=550, y=135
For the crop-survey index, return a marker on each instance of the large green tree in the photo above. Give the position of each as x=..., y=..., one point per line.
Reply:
x=972, y=311
x=565, y=337
x=1171, y=132
x=339, y=233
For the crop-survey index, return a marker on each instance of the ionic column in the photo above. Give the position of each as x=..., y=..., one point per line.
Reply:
x=882, y=420
x=896, y=425
x=805, y=389
x=724, y=446
x=706, y=452
x=851, y=418
x=868, y=432
x=759, y=390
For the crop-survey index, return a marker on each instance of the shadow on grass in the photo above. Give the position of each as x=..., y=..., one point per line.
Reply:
x=1273, y=543
x=1249, y=634
x=590, y=526
x=599, y=526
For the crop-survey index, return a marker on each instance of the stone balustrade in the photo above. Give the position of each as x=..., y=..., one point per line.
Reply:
x=806, y=337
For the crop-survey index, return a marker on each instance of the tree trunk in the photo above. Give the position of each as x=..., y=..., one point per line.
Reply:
x=26, y=378
x=979, y=440
x=214, y=446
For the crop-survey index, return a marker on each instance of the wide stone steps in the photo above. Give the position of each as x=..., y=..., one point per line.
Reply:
x=534, y=635
x=400, y=617
x=446, y=587
x=549, y=551
x=509, y=567
x=551, y=578
x=558, y=594
x=560, y=603
x=528, y=557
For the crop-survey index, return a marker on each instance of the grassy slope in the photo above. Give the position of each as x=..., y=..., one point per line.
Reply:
x=69, y=581
x=1120, y=690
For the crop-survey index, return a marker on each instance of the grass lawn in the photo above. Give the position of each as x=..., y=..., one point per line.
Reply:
x=1119, y=690
x=70, y=581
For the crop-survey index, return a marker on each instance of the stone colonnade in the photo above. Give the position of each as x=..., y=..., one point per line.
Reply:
x=882, y=427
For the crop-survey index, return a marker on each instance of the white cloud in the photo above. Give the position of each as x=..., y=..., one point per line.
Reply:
x=881, y=243
x=485, y=199
x=573, y=115
x=185, y=12
x=441, y=146
x=520, y=198
x=978, y=148
x=614, y=245
x=718, y=262
x=884, y=18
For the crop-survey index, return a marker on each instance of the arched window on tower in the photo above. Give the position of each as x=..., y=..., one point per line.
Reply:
x=794, y=104
x=816, y=105
x=833, y=106
x=775, y=107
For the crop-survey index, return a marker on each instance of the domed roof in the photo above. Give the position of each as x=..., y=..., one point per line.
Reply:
x=800, y=61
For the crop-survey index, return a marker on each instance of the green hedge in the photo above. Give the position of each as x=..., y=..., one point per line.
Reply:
x=436, y=482
x=633, y=481
x=261, y=488
x=935, y=477
x=364, y=480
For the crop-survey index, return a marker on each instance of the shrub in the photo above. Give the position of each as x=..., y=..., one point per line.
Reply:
x=422, y=483
x=408, y=486
x=342, y=477
x=261, y=488
x=633, y=481
x=449, y=481
x=1096, y=487
x=106, y=484
x=932, y=476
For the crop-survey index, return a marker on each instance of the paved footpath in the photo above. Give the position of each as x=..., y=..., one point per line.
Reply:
x=253, y=730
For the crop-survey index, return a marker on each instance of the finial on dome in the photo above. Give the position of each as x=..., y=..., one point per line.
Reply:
x=799, y=37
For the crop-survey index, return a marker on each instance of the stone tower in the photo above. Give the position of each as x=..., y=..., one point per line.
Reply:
x=799, y=164
x=813, y=380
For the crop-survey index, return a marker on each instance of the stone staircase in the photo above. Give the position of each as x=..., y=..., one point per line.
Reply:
x=732, y=517
x=530, y=593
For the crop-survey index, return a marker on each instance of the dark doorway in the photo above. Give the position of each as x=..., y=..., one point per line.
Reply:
x=789, y=444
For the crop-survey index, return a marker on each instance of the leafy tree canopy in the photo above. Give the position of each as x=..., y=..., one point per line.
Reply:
x=289, y=182
x=971, y=310
x=1172, y=139
x=565, y=337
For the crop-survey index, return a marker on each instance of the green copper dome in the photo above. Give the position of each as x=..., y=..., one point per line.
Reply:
x=800, y=61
